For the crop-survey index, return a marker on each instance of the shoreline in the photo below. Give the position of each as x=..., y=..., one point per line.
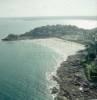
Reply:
x=68, y=77
x=64, y=49
x=70, y=82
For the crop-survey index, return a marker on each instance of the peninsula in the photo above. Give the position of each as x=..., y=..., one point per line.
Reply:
x=76, y=75
x=67, y=32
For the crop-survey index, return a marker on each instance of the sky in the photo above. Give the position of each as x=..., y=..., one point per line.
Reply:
x=29, y=8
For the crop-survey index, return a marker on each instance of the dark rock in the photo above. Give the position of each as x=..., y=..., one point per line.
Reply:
x=60, y=98
x=54, y=90
x=10, y=37
x=73, y=84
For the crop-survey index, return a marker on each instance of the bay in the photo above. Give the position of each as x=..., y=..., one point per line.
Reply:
x=23, y=65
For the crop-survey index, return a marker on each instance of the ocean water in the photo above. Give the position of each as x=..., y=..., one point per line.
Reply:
x=20, y=25
x=23, y=65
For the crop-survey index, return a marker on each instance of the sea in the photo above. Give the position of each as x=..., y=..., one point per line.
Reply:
x=24, y=65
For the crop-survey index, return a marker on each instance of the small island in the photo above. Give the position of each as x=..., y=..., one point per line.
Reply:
x=77, y=76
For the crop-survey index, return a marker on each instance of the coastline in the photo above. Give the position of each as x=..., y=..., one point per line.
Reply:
x=67, y=51
x=69, y=79
x=71, y=82
x=64, y=49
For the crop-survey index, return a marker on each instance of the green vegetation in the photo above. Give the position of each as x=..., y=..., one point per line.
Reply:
x=90, y=61
x=67, y=32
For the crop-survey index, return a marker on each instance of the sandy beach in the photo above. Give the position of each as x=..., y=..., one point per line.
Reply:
x=62, y=47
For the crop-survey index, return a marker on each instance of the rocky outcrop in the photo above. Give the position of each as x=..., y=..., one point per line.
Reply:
x=11, y=37
x=73, y=84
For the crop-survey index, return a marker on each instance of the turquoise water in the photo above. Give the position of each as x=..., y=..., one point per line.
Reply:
x=23, y=65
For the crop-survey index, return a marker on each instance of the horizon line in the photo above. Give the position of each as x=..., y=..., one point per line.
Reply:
x=52, y=17
x=41, y=16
